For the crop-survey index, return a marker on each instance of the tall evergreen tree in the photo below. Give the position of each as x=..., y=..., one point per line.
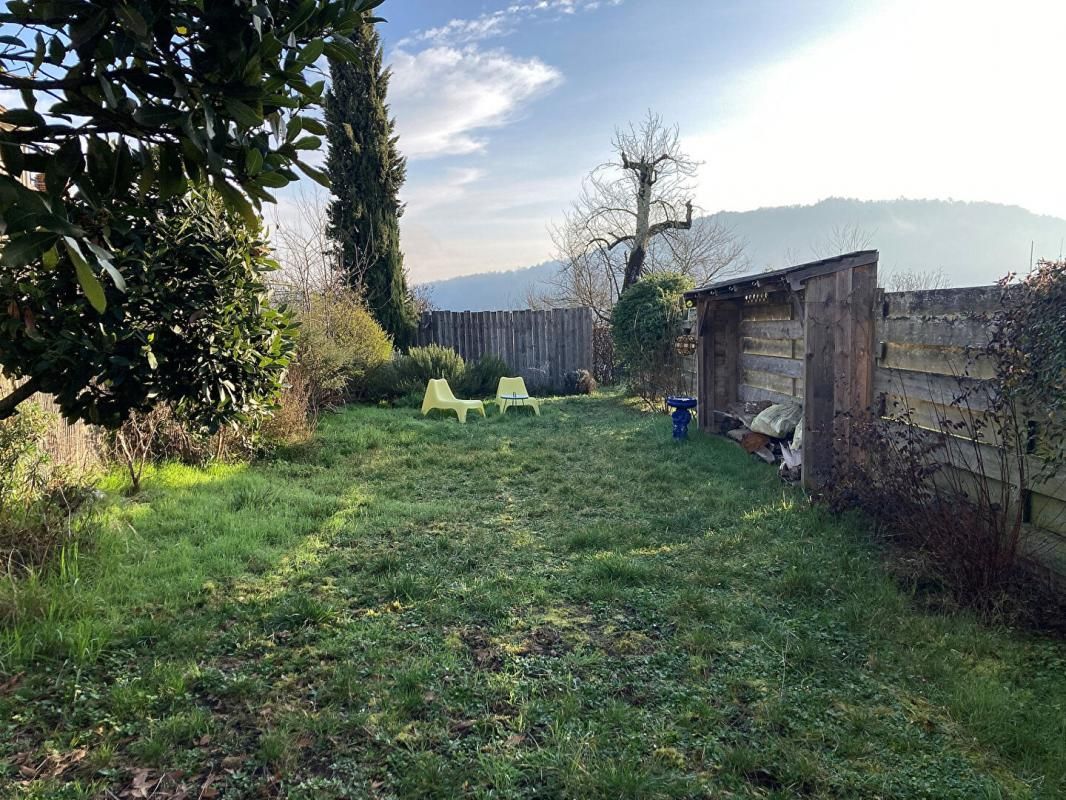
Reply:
x=366, y=172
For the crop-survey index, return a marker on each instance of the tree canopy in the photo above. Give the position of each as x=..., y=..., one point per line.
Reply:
x=193, y=328
x=645, y=322
x=635, y=216
x=133, y=98
x=366, y=172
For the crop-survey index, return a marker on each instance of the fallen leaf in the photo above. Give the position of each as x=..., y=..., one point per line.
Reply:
x=207, y=791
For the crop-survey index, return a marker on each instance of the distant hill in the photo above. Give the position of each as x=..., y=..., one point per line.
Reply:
x=490, y=291
x=970, y=243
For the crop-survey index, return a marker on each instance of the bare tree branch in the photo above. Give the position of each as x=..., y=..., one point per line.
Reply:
x=642, y=200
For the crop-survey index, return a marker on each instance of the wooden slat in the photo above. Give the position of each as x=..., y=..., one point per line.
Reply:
x=725, y=329
x=818, y=395
x=754, y=394
x=767, y=380
x=558, y=324
x=706, y=369
x=960, y=332
x=540, y=343
x=772, y=329
x=506, y=323
x=935, y=359
x=943, y=302
x=781, y=348
x=1049, y=513
x=476, y=329
x=930, y=387
x=585, y=319
x=761, y=313
x=568, y=330
x=519, y=343
x=790, y=367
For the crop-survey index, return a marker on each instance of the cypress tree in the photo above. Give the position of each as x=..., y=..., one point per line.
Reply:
x=366, y=172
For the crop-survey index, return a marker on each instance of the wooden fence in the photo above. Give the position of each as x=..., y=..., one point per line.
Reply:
x=541, y=346
x=929, y=347
x=76, y=445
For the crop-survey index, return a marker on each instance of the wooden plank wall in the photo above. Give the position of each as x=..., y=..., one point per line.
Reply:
x=718, y=357
x=541, y=346
x=76, y=445
x=838, y=311
x=929, y=341
x=771, y=349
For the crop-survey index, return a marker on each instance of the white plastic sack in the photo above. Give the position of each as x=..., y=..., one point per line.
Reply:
x=797, y=437
x=779, y=420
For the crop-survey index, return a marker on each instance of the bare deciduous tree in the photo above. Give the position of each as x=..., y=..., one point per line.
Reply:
x=915, y=280
x=843, y=239
x=307, y=255
x=635, y=216
x=422, y=297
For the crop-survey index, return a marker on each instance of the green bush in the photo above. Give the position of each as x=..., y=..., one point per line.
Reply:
x=406, y=375
x=409, y=373
x=22, y=457
x=193, y=327
x=482, y=377
x=340, y=344
x=644, y=324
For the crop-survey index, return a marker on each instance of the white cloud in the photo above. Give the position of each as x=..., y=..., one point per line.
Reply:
x=501, y=22
x=462, y=31
x=424, y=196
x=947, y=99
x=470, y=221
x=444, y=98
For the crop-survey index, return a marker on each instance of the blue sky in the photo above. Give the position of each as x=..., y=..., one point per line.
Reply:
x=503, y=105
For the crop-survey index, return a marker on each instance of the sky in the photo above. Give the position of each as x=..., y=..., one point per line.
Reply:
x=502, y=106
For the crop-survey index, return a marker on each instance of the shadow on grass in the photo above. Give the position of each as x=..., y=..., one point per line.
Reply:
x=564, y=605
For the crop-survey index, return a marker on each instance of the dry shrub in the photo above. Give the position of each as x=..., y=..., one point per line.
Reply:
x=133, y=444
x=296, y=417
x=603, y=361
x=952, y=500
x=163, y=434
x=579, y=381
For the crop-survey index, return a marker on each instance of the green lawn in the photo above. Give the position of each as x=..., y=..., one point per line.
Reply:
x=571, y=606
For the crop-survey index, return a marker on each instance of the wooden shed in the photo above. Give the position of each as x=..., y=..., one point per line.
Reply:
x=803, y=334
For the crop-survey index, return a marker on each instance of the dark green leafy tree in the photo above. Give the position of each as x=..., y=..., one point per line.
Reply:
x=219, y=90
x=192, y=329
x=366, y=171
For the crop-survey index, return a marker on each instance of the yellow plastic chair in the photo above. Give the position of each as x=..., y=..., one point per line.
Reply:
x=512, y=393
x=439, y=395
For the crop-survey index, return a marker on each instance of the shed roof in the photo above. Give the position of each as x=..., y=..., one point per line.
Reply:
x=789, y=277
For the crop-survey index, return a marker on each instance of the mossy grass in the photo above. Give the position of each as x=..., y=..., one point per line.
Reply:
x=570, y=605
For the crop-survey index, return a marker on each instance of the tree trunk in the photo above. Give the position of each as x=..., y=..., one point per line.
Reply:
x=9, y=405
x=635, y=261
x=634, y=266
